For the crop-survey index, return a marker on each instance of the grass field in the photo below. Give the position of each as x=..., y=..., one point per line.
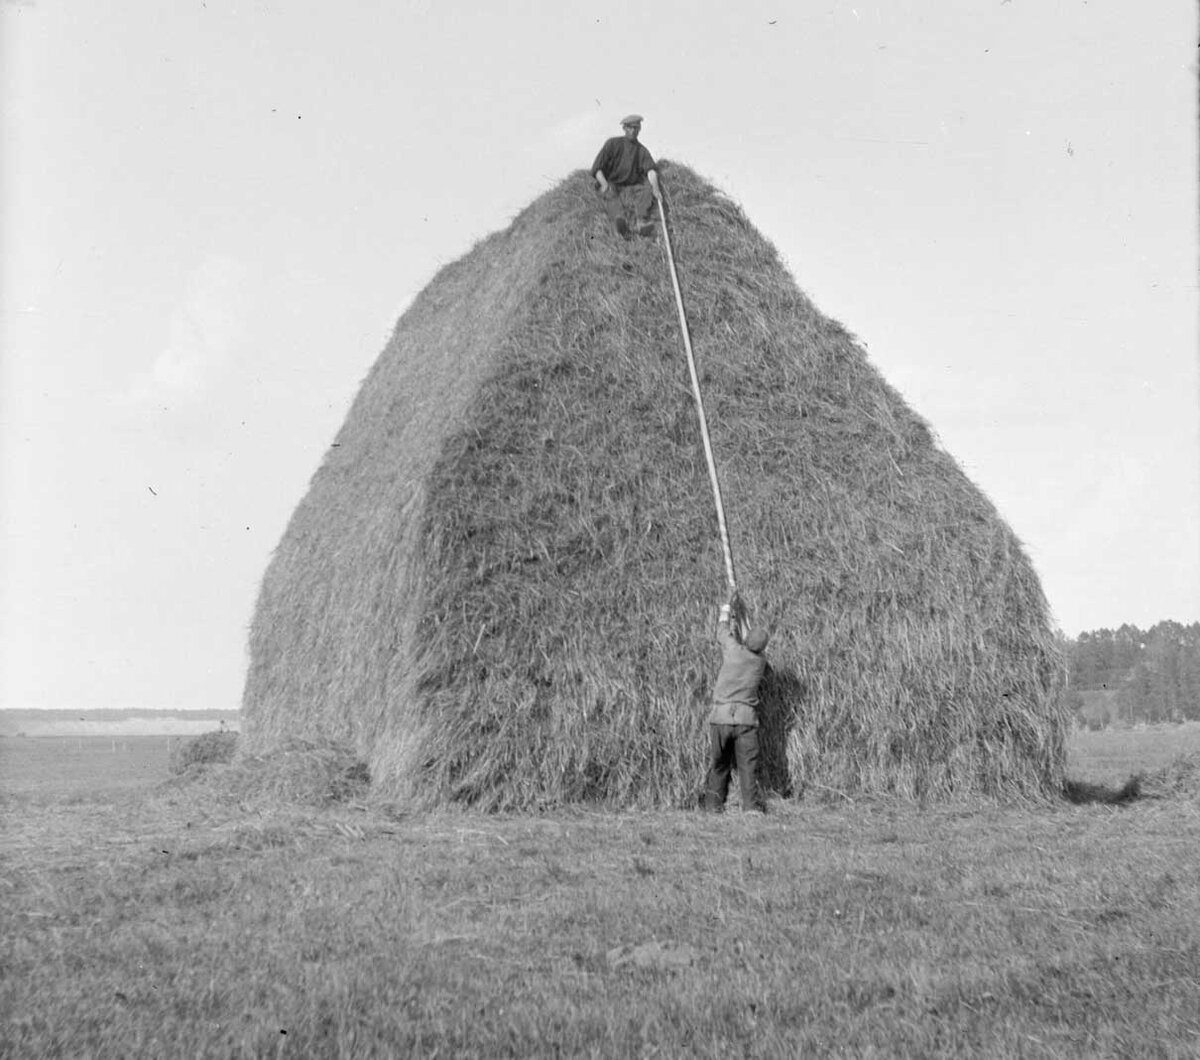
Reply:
x=146, y=917
x=82, y=765
x=1109, y=756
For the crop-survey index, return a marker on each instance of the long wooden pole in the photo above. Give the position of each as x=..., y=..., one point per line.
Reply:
x=708, y=453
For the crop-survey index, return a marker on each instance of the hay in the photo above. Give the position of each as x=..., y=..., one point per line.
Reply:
x=206, y=749
x=295, y=773
x=500, y=586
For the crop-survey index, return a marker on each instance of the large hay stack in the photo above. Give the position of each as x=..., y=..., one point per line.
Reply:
x=501, y=586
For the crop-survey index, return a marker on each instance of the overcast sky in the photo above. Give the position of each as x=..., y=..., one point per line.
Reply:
x=214, y=212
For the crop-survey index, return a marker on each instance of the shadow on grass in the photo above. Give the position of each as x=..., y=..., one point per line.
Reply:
x=1178, y=779
x=1083, y=792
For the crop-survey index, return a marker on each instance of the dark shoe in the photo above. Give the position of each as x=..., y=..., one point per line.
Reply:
x=647, y=229
x=623, y=228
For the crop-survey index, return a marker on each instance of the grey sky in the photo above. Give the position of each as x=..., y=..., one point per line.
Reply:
x=214, y=212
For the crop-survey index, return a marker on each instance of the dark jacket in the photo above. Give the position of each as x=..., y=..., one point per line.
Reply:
x=623, y=162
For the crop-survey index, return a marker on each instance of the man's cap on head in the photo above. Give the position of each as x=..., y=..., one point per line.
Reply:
x=757, y=639
x=631, y=119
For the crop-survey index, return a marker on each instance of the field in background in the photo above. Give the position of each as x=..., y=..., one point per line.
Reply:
x=200, y=918
x=1110, y=756
x=79, y=765
x=82, y=764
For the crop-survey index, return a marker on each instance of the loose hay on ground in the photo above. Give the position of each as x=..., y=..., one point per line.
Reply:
x=298, y=773
x=206, y=749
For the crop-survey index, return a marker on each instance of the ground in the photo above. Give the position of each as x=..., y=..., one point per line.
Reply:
x=146, y=917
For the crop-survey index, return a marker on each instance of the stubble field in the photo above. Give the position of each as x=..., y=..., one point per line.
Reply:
x=208, y=916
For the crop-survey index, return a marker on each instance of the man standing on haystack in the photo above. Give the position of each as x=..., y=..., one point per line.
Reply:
x=627, y=180
x=733, y=723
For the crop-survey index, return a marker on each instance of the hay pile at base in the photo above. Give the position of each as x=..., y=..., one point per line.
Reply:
x=206, y=749
x=500, y=588
x=294, y=773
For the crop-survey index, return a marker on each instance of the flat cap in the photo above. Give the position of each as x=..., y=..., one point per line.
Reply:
x=632, y=119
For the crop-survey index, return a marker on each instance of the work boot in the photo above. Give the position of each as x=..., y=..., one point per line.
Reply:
x=647, y=229
x=623, y=228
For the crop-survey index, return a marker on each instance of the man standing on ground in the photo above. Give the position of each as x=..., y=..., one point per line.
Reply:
x=627, y=180
x=733, y=723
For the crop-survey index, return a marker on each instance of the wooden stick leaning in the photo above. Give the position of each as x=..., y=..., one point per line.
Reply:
x=708, y=453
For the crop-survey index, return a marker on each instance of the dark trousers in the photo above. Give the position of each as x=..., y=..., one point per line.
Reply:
x=733, y=747
x=633, y=203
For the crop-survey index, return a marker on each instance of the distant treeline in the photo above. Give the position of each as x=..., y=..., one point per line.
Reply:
x=1127, y=675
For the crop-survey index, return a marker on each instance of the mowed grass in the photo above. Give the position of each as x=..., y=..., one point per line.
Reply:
x=184, y=920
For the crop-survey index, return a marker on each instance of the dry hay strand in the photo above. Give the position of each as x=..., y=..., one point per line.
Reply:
x=499, y=589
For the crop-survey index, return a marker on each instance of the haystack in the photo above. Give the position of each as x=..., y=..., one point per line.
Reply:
x=500, y=588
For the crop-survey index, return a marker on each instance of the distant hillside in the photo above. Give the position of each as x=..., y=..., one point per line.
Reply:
x=114, y=722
